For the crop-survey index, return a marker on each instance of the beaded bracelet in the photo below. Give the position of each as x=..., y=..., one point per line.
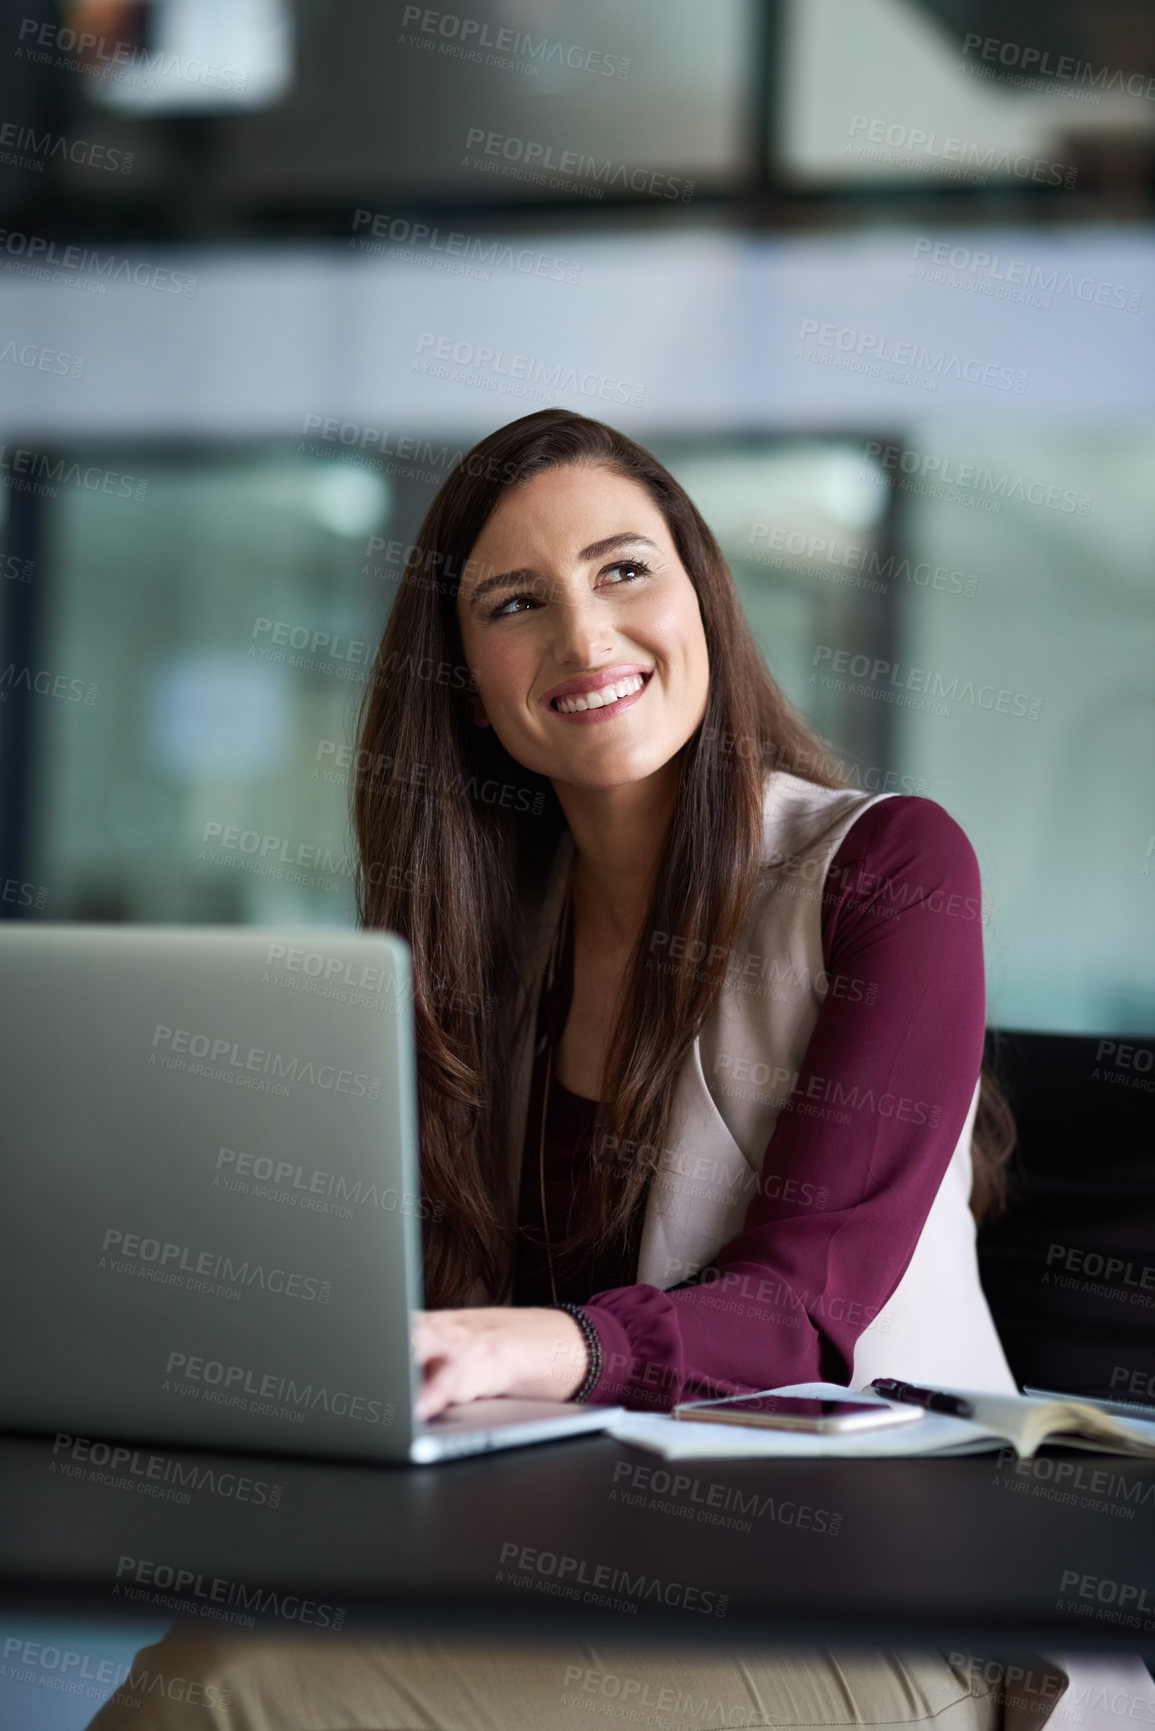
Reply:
x=593, y=1346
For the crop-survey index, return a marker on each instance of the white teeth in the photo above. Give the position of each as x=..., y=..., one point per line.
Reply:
x=599, y=699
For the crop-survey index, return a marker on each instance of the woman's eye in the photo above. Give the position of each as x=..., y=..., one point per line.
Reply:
x=630, y=565
x=499, y=610
x=635, y=566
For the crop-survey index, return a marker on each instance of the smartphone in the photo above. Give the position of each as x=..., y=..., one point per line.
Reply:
x=797, y=1412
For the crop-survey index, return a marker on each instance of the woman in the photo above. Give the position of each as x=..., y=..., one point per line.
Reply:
x=737, y=945
x=700, y=1031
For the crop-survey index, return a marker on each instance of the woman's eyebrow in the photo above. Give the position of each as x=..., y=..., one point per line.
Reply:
x=595, y=550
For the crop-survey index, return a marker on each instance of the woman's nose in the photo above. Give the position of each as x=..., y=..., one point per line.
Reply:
x=581, y=627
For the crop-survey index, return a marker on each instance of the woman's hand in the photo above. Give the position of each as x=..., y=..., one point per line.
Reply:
x=529, y=1353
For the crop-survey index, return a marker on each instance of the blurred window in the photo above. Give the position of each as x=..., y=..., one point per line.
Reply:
x=988, y=647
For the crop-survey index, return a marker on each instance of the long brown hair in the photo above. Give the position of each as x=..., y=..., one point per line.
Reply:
x=455, y=837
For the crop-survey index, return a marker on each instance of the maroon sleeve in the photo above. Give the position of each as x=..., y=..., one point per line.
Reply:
x=846, y=1187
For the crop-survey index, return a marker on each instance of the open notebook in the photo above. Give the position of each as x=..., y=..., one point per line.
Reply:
x=1000, y=1421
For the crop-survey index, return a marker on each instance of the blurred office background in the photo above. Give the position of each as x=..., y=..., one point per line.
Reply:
x=874, y=277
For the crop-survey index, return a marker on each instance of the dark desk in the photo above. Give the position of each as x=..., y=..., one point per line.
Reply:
x=927, y=1553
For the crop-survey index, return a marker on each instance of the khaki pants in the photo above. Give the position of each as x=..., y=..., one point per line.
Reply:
x=194, y=1680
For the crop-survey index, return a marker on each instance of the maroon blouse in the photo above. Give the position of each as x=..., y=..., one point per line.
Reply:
x=833, y=1224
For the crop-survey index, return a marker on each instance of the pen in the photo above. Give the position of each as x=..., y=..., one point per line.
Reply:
x=930, y=1398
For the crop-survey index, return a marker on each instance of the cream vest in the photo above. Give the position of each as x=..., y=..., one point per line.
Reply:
x=738, y=1073
x=936, y=1324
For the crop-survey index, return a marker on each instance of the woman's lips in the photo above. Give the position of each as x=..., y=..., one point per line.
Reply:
x=606, y=711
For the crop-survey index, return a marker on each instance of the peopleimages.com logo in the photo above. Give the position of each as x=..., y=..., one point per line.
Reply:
x=918, y=680
x=228, y=1058
x=465, y=37
x=164, y=1476
x=495, y=368
x=107, y=57
x=36, y=358
x=958, y=158
x=899, y=359
x=285, y=1180
x=24, y=147
x=940, y=471
x=1014, y=278
x=139, y=1252
x=542, y=163
x=217, y=1590
x=73, y=1671
x=567, y=1575
x=1032, y=65
x=461, y=253
x=254, y=1391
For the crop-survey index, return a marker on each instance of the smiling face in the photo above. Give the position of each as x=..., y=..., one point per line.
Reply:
x=575, y=596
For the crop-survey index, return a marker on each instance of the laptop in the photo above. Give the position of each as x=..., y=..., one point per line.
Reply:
x=211, y=1230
